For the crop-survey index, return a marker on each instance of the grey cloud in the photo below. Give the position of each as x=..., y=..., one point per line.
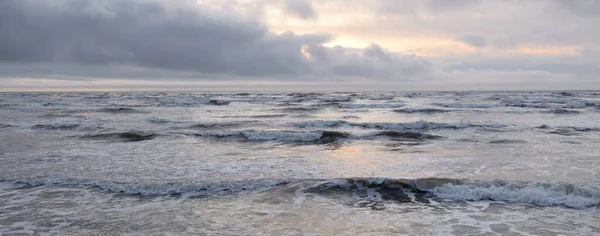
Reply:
x=472, y=40
x=146, y=34
x=584, y=7
x=371, y=62
x=412, y=7
x=300, y=8
x=159, y=38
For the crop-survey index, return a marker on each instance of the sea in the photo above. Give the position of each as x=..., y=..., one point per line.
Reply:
x=289, y=163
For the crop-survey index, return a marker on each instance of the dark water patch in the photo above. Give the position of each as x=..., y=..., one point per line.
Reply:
x=121, y=110
x=55, y=126
x=332, y=136
x=121, y=136
x=422, y=110
x=507, y=141
x=3, y=126
x=242, y=94
x=218, y=102
x=407, y=135
x=561, y=111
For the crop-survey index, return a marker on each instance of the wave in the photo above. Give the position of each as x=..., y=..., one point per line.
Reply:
x=2, y=126
x=407, y=135
x=121, y=136
x=422, y=110
x=369, y=105
x=568, y=130
x=284, y=136
x=150, y=189
x=121, y=110
x=466, y=105
x=550, y=103
x=417, y=125
x=298, y=109
x=222, y=125
x=507, y=141
x=545, y=194
x=160, y=120
x=560, y=111
x=218, y=102
x=58, y=126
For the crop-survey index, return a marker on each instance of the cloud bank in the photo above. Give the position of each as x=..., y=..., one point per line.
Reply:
x=235, y=41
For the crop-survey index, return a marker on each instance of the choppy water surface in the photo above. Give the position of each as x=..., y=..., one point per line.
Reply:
x=422, y=163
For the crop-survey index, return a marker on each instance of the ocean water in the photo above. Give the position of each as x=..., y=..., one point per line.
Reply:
x=404, y=163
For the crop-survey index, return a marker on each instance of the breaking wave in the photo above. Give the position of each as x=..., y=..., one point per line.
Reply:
x=401, y=190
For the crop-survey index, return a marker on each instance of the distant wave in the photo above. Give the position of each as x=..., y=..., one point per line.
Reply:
x=466, y=105
x=369, y=105
x=417, y=125
x=121, y=110
x=57, y=126
x=536, y=193
x=428, y=110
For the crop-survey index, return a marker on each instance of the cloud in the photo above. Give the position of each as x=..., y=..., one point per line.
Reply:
x=299, y=8
x=472, y=40
x=76, y=38
x=235, y=40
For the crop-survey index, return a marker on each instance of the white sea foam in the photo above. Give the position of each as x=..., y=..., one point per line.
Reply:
x=541, y=194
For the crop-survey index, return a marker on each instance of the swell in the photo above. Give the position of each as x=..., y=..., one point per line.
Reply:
x=284, y=136
x=417, y=125
x=527, y=192
x=121, y=136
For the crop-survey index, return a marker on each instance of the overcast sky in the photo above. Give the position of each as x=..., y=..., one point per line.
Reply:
x=299, y=44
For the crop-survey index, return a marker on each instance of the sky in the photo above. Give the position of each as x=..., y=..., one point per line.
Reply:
x=256, y=45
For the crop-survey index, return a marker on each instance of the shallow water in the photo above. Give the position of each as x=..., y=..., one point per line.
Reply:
x=429, y=163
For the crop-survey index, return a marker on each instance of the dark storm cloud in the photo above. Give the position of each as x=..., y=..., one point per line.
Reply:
x=146, y=34
x=137, y=38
